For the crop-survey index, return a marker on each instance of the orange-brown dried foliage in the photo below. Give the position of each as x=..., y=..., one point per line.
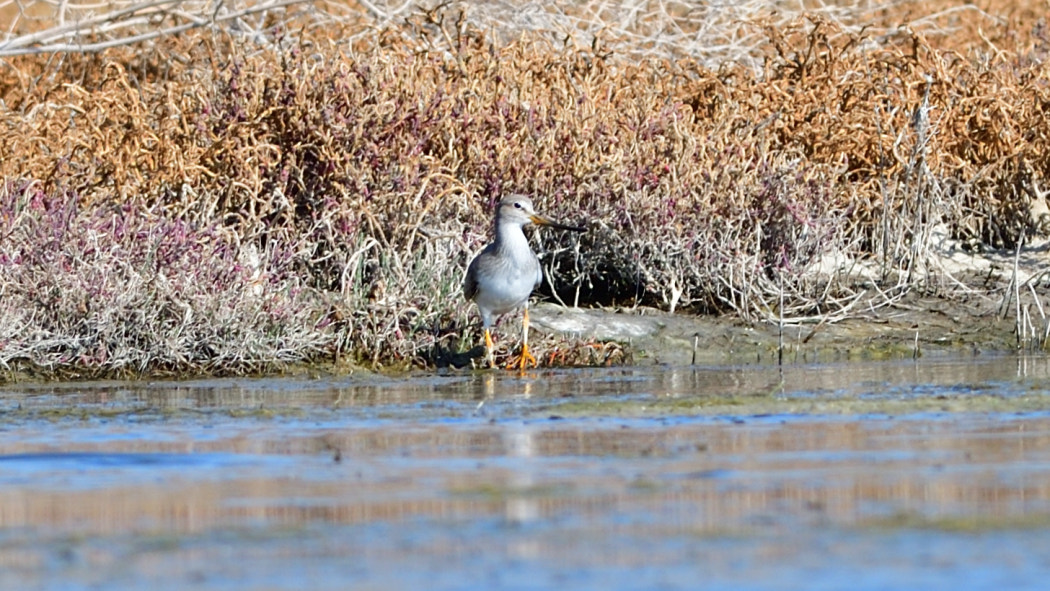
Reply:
x=376, y=160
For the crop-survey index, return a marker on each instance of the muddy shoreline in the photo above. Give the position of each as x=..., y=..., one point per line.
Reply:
x=915, y=326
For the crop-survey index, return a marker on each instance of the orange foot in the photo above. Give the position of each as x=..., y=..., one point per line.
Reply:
x=522, y=361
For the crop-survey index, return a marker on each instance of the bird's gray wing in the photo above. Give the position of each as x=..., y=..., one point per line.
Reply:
x=470, y=287
x=470, y=281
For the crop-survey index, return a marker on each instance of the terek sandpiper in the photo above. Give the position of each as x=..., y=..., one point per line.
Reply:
x=502, y=276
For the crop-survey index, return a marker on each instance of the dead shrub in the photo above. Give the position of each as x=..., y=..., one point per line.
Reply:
x=322, y=193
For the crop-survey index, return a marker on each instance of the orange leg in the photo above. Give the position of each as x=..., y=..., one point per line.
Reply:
x=526, y=358
x=488, y=349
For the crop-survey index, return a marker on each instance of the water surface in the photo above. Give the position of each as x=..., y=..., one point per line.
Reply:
x=932, y=474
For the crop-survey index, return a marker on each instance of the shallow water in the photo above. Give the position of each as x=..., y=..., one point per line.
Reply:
x=932, y=474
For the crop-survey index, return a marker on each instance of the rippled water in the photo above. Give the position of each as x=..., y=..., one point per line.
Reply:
x=929, y=474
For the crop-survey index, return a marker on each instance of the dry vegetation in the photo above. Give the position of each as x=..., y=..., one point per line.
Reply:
x=226, y=188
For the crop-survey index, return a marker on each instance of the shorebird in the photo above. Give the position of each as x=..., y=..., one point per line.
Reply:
x=502, y=276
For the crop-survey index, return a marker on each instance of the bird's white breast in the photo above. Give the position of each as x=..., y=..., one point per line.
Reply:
x=508, y=275
x=506, y=292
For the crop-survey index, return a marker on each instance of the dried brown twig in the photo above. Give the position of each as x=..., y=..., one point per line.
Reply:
x=134, y=22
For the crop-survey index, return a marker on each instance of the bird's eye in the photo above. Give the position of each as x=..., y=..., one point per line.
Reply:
x=517, y=205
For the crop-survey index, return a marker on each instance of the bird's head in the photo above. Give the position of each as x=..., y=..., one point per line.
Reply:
x=518, y=209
